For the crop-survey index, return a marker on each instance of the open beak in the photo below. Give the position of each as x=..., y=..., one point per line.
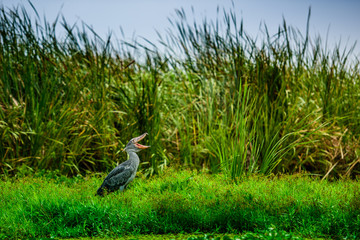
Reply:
x=139, y=138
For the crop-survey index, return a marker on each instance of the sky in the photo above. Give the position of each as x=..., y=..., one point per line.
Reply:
x=334, y=20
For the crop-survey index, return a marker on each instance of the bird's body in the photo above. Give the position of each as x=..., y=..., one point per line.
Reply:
x=124, y=173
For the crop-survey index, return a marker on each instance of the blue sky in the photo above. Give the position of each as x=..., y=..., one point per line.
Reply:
x=142, y=17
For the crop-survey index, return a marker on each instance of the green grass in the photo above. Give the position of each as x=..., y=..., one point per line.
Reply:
x=179, y=202
x=271, y=234
x=216, y=100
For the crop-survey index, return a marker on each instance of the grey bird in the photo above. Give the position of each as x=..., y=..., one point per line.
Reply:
x=124, y=173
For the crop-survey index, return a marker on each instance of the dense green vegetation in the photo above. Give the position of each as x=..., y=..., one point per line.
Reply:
x=185, y=202
x=215, y=99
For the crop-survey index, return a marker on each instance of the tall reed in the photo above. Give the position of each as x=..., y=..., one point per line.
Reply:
x=216, y=99
x=287, y=116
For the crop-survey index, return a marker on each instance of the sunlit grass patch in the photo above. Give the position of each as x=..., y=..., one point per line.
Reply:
x=179, y=202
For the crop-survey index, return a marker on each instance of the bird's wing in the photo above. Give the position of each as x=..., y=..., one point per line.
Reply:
x=121, y=178
x=118, y=170
x=118, y=177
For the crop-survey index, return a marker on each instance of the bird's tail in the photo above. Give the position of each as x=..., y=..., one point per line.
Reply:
x=100, y=191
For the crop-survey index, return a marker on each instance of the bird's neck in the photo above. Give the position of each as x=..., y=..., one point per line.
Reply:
x=133, y=157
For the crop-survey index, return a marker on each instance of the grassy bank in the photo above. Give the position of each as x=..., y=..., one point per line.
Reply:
x=216, y=99
x=179, y=202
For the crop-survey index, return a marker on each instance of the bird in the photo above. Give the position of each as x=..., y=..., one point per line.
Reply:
x=124, y=173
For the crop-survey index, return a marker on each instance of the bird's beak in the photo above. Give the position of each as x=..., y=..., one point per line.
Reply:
x=139, y=138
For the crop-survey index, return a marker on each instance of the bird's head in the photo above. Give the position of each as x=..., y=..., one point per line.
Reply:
x=134, y=146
